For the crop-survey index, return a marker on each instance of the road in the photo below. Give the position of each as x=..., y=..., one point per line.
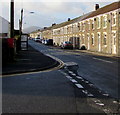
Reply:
x=64, y=90
x=101, y=71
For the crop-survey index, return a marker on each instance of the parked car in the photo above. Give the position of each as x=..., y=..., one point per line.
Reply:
x=37, y=39
x=45, y=42
x=49, y=42
x=67, y=45
x=83, y=48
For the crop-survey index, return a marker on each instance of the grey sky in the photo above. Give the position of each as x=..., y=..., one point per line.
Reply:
x=49, y=11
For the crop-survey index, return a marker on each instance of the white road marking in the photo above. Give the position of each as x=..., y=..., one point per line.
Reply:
x=97, y=101
x=86, y=81
x=73, y=80
x=73, y=74
x=63, y=73
x=79, y=86
x=91, y=85
x=102, y=60
x=101, y=104
x=69, y=77
x=84, y=91
x=106, y=94
x=70, y=72
x=90, y=95
x=115, y=102
x=79, y=77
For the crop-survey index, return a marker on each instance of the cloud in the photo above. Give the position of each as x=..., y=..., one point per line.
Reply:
x=47, y=12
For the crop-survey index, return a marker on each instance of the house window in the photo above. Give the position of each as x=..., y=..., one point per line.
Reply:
x=114, y=38
x=83, y=39
x=105, y=39
x=98, y=22
x=92, y=39
x=92, y=24
x=88, y=25
x=114, y=19
x=105, y=21
x=73, y=28
x=78, y=26
x=83, y=25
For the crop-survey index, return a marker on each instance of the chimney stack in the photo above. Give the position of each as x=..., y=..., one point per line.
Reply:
x=45, y=27
x=53, y=24
x=68, y=19
x=96, y=6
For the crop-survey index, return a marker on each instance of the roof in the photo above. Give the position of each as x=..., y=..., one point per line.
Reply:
x=72, y=21
x=102, y=10
x=105, y=9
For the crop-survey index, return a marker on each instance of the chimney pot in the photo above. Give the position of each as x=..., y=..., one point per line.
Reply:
x=68, y=19
x=96, y=6
x=53, y=24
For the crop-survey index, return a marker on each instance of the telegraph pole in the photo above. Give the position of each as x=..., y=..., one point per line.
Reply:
x=12, y=19
x=21, y=22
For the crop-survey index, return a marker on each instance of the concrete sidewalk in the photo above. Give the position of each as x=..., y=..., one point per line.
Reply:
x=98, y=53
x=29, y=61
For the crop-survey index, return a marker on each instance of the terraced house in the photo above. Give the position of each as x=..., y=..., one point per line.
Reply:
x=35, y=34
x=98, y=31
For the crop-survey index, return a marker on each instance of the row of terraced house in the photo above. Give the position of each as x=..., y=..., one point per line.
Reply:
x=98, y=31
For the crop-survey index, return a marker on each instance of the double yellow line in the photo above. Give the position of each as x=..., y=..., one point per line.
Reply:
x=61, y=64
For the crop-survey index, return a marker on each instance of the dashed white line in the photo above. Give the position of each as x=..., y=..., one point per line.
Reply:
x=86, y=81
x=106, y=94
x=85, y=91
x=91, y=85
x=90, y=95
x=73, y=74
x=79, y=86
x=101, y=104
x=102, y=60
x=79, y=77
x=73, y=80
x=70, y=72
x=69, y=77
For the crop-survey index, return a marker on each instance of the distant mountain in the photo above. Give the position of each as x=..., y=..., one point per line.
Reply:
x=31, y=29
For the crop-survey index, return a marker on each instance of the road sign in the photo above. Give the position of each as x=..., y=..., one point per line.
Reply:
x=24, y=42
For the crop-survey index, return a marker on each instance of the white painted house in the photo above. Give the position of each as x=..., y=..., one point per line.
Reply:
x=4, y=28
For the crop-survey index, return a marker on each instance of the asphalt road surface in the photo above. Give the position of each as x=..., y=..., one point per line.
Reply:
x=83, y=88
x=100, y=70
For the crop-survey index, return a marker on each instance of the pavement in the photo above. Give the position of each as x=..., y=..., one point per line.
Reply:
x=30, y=60
x=98, y=53
x=94, y=53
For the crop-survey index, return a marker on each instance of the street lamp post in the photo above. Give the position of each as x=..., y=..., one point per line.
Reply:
x=20, y=28
x=20, y=22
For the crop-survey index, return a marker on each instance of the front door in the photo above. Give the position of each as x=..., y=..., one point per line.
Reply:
x=99, y=44
x=88, y=42
x=113, y=43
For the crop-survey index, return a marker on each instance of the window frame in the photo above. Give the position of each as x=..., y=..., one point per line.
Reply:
x=105, y=39
x=93, y=24
x=105, y=21
x=115, y=37
x=114, y=17
x=98, y=24
x=92, y=39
